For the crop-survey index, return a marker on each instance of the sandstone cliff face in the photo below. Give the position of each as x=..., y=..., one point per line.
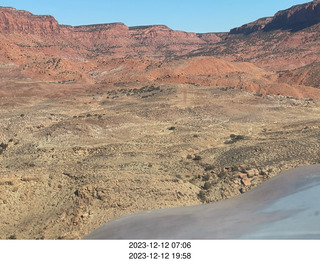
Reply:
x=104, y=39
x=116, y=39
x=13, y=21
x=296, y=17
x=163, y=35
x=251, y=27
x=210, y=37
x=287, y=41
x=37, y=47
x=35, y=44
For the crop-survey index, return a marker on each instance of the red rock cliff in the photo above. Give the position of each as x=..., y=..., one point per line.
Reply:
x=252, y=27
x=116, y=40
x=13, y=21
x=296, y=17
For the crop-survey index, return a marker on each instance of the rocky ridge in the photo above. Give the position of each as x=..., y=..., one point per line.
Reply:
x=39, y=48
x=101, y=38
x=252, y=27
x=295, y=18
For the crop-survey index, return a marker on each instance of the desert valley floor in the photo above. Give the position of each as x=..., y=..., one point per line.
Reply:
x=72, y=163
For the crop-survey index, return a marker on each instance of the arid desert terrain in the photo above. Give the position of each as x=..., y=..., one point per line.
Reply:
x=69, y=164
x=89, y=133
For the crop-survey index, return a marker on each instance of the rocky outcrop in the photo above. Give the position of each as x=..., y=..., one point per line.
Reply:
x=115, y=39
x=296, y=17
x=100, y=37
x=13, y=21
x=307, y=75
x=38, y=47
x=286, y=41
x=210, y=37
x=251, y=27
x=158, y=34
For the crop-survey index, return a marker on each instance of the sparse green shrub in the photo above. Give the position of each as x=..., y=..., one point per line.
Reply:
x=207, y=185
x=202, y=195
x=222, y=174
x=234, y=138
x=208, y=167
x=243, y=170
x=238, y=137
x=179, y=176
x=3, y=146
x=234, y=168
x=197, y=157
x=262, y=173
x=206, y=177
